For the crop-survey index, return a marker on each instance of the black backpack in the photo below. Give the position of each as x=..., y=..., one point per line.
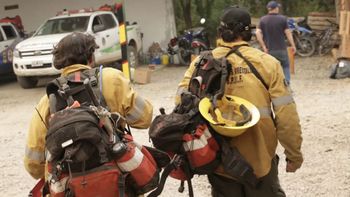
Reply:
x=90, y=144
x=84, y=137
x=167, y=130
x=81, y=130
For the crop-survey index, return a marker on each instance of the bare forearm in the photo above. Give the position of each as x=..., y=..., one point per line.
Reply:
x=290, y=37
x=259, y=37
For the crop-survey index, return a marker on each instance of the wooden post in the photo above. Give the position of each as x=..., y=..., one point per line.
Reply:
x=345, y=5
x=291, y=60
x=344, y=29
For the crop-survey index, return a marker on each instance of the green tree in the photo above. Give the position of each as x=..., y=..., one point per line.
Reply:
x=188, y=13
x=204, y=8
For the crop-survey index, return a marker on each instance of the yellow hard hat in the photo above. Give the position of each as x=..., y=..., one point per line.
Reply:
x=232, y=115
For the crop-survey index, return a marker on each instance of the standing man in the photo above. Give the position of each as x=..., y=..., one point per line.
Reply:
x=258, y=143
x=271, y=33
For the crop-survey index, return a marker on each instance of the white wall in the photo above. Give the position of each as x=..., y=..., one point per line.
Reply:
x=155, y=17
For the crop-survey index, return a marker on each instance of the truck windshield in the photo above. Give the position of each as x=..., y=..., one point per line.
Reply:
x=63, y=25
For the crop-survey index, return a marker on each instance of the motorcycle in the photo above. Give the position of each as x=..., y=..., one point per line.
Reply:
x=200, y=40
x=303, y=38
x=193, y=41
x=184, y=47
x=327, y=39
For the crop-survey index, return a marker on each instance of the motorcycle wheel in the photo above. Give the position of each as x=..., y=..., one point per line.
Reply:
x=305, y=46
x=184, y=56
x=325, y=47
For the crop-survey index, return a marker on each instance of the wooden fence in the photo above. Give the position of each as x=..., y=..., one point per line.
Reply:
x=318, y=20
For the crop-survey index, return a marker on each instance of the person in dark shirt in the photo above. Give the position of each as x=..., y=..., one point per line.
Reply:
x=271, y=33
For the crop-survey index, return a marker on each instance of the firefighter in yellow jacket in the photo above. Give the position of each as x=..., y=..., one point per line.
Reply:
x=75, y=53
x=279, y=121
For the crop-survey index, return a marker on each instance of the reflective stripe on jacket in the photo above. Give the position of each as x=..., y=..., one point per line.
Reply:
x=258, y=144
x=119, y=96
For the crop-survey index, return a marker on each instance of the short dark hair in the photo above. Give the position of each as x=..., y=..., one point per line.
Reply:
x=75, y=48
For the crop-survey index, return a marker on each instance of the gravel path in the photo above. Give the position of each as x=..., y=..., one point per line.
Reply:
x=323, y=106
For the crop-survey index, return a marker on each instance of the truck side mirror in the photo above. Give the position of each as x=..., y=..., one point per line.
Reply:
x=98, y=28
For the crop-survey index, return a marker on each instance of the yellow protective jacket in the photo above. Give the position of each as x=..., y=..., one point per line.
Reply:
x=119, y=96
x=258, y=144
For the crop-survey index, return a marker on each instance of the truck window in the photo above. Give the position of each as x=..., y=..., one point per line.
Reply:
x=9, y=32
x=109, y=21
x=97, y=24
x=97, y=21
x=64, y=25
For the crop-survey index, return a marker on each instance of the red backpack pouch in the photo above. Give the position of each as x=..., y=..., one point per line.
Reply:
x=201, y=149
x=140, y=164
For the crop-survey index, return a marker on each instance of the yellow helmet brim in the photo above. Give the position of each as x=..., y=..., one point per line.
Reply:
x=205, y=107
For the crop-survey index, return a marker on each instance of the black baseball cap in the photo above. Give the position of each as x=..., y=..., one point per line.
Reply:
x=272, y=5
x=233, y=16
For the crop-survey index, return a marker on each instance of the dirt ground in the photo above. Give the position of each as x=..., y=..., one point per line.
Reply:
x=323, y=105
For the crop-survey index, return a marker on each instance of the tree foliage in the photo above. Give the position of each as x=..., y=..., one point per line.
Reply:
x=186, y=11
x=189, y=12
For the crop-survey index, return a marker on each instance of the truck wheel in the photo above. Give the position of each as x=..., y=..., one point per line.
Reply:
x=27, y=82
x=132, y=57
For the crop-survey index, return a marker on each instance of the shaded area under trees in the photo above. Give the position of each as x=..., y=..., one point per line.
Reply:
x=189, y=12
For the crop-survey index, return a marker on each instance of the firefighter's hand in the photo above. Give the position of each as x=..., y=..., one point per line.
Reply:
x=291, y=167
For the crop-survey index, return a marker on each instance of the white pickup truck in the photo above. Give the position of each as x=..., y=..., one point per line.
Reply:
x=32, y=58
x=9, y=37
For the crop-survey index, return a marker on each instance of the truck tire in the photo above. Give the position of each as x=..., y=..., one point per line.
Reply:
x=27, y=82
x=132, y=57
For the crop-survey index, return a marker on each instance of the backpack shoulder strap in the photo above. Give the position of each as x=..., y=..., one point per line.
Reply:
x=56, y=94
x=251, y=66
x=61, y=94
x=53, y=86
x=95, y=76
